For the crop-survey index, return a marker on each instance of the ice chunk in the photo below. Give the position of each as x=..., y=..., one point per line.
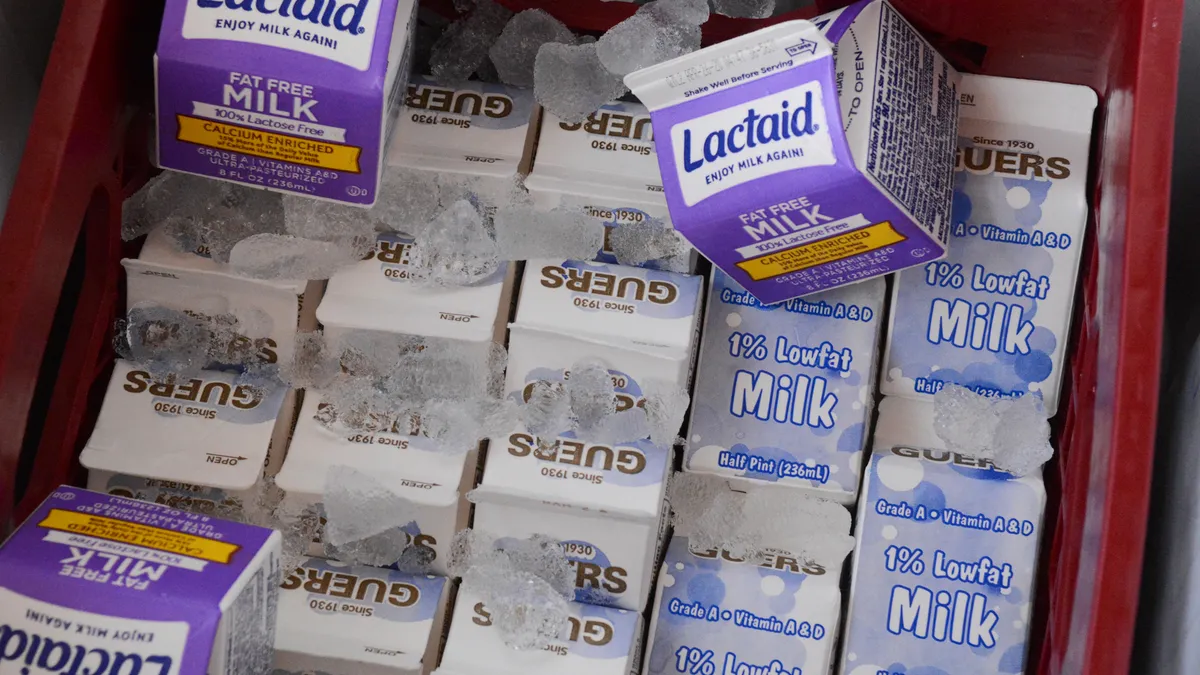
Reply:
x=571, y=82
x=464, y=46
x=593, y=399
x=460, y=425
x=524, y=233
x=1013, y=433
x=622, y=427
x=515, y=51
x=638, y=243
x=744, y=9
x=747, y=524
x=524, y=583
x=455, y=249
x=643, y=40
x=357, y=507
x=276, y=256
x=666, y=405
x=547, y=409
x=352, y=226
x=379, y=550
x=163, y=340
x=408, y=198
x=681, y=12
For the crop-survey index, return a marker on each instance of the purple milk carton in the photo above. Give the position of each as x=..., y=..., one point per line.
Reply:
x=763, y=179
x=95, y=584
x=297, y=96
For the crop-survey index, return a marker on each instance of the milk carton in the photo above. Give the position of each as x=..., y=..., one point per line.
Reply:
x=596, y=641
x=995, y=315
x=394, y=454
x=797, y=167
x=603, y=502
x=342, y=620
x=190, y=443
x=378, y=294
x=716, y=613
x=476, y=128
x=604, y=166
x=784, y=392
x=295, y=97
x=96, y=583
x=947, y=551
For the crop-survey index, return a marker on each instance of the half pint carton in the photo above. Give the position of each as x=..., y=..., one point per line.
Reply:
x=806, y=156
x=394, y=454
x=341, y=620
x=946, y=556
x=595, y=641
x=102, y=584
x=296, y=97
x=717, y=613
x=191, y=443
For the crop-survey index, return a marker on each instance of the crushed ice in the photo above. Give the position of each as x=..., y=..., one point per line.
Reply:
x=1014, y=433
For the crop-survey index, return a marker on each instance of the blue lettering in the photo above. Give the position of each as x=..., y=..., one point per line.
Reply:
x=754, y=130
x=345, y=16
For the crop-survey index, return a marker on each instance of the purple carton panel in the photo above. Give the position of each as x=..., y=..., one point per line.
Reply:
x=96, y=584
x=808, y=155
x=297, y=96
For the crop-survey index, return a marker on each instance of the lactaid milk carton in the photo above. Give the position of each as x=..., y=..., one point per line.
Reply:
x=378, y=294
x=806, y=156
x=946, y=556
x=595, y=641
x=605, y=166
x=717, y=613
x=191, y=443
x=341, y=620
x=394, y=453
x=101, y=584
x=995, y=315
x=597, y=308
x=477, y=128
x=784, y=392
x=298, y=97
x=602, y=501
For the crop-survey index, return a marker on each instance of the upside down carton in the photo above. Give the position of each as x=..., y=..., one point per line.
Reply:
x=100, y=585
x=995, y=315
x=294, y=96
x=394, y=453
x=945, y=559
x=338, y=619
x=806, y=156
x=718, y=613
x=595, y=641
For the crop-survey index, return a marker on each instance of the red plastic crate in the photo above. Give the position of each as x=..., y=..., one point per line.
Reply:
x=61, y=281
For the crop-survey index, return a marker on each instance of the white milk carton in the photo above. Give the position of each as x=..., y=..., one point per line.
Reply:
x=377, y=294
x=596, y=641
x=96, y=584
x=341, y=620
x=476, y=128
x=716, y=613
x=192, y=443
x=598, y=309
x=808, y=155
x=784, y=392
x=946, y=556
x=392, y=453
x=995, y=315
x=605, y=166
x=603, y=502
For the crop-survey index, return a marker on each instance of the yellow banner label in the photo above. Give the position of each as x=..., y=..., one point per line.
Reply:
x=820, y=252
x=137, y=534
x=269, y=145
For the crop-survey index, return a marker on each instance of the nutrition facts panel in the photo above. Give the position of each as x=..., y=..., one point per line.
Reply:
x=911, y=166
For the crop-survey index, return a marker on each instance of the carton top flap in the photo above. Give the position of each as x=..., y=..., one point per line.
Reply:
x=385, y=617
x=613, y=304
x=347, y=43
x=1051, y=105
x=611, y=152
x=412, y=466
x=469, y=127
x=206, y=430
x=83, y=529
x=604, y=643
x=505, y=495
x=622, y=478
x=376, y=294
x=159, y=253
